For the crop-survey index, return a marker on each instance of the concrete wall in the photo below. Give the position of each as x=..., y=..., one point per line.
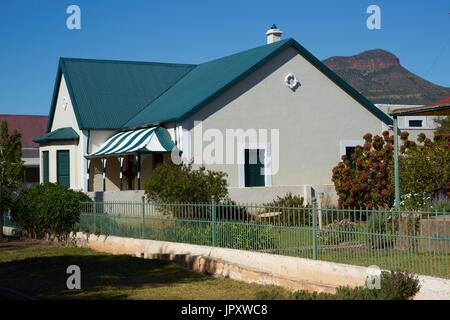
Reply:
x=249, y=266
x=312, y=120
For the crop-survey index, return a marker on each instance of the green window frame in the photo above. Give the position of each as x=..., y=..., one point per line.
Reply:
x=45, y=167
x=254, y=165
x=63, y=167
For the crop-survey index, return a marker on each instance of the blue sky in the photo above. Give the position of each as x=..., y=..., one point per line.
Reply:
x=33, y=35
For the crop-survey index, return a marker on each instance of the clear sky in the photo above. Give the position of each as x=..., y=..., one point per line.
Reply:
x=33, y=35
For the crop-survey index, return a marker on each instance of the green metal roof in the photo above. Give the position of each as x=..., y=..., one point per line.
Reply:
x=123, y=95
x=61, y=134
x=208, y=80
x=105, y=94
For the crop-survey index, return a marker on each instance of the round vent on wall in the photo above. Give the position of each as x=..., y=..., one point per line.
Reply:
x=64, y=103
x=291, y=81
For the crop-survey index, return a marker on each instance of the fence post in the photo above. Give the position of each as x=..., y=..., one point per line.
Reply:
x=314, y=229
x=94, y=212
x=142, y=216
x=213, y=221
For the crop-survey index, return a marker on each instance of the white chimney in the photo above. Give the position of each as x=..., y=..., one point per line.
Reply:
x=273, y=34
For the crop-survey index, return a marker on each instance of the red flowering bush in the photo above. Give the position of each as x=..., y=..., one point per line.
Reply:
x=364, y=183
x=368, y=182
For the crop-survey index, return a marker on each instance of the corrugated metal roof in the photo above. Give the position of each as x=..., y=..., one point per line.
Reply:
x=29, y=127
x=61, y=134
x=105, y=94
x=202, y=84
x=210, y=79
x=122, y=95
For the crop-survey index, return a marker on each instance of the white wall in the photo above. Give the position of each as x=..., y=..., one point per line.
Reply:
x=64, y=116
x=311, y=120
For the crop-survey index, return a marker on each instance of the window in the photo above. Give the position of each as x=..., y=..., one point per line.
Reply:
x=254, y=168
x=349, y=150
x=63, y=167
x=415, y=122
x=31, y=175
x=45, y=167
x=158, y=158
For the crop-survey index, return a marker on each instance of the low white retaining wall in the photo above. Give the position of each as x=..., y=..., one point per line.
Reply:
x=250, y=266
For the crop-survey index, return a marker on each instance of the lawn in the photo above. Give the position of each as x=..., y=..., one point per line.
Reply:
x=36, y=270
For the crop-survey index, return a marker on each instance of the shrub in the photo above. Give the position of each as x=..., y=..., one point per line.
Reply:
x=362, y=182
x=393, y=286
x=291, y=210
x=425, y=172
x=337, y=232
x=172, y=183
x=48, y=210
x=438, y=206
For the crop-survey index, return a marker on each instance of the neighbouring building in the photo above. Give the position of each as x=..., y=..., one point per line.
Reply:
x=414, y=125
x=29, y=126
x=112, y=122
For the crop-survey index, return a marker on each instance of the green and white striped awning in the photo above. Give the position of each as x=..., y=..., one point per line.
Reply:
x=156, y=139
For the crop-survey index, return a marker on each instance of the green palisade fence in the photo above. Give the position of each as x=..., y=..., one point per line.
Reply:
x=396, y=240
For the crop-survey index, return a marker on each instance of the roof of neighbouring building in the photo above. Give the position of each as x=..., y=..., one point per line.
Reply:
x=442, y=102
x=122, y=95
x=29, y=127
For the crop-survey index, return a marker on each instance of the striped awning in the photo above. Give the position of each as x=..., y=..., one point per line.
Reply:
x=156, y=139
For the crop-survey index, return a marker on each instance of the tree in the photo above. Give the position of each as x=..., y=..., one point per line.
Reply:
x=368, y=180
x=424, y=170
x=443, y=125
x=11, y=168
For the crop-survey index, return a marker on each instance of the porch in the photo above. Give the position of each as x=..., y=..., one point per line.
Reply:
x=127, y=159
x=123, y=173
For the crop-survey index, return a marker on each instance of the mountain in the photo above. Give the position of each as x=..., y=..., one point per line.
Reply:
x=378, y=75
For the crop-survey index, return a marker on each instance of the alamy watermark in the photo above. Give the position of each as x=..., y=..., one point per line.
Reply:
x=227, y=147
x=373, y=280
x=374, y=20
x=74, y=280
x=73, y=21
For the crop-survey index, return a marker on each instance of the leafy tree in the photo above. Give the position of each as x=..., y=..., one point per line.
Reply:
x=443, y=125
x=11, y=168
x=424, y=170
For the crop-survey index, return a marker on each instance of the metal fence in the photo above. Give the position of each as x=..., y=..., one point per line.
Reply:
x=396, y=240
x=8, y=220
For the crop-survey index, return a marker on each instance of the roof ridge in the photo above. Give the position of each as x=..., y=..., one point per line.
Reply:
x=276, y=43
x=122, y=126
x=277, y=47
x=89, y=60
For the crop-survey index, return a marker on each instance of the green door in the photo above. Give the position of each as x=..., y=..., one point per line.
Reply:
x=254, y=166
x=45, y=166
x=63, y=167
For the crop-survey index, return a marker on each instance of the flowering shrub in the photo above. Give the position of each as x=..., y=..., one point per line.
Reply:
x=364, y=183
x=337, y=232
x=368, y=182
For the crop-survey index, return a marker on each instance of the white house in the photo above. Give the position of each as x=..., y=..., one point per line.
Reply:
x=112, y=122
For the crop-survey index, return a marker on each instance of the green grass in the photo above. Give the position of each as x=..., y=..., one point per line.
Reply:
x=38, y=271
